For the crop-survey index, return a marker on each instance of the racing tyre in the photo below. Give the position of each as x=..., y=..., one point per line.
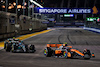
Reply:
x=75, y=55
x=8, y=48
x=87, y=55
x=32, y=49
x=5, y=46
x=48, y=52
x=65, y=54
x=13, y=51
x=13, y=48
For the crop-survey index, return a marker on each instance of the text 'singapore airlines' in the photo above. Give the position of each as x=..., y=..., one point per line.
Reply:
x=47, y=10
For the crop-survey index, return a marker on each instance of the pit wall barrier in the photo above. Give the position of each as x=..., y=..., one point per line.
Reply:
x=96, y=30
x=10, y=25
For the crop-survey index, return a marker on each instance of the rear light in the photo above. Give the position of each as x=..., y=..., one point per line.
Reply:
x=93, y=55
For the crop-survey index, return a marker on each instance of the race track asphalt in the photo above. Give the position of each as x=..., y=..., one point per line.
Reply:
x=78, y=38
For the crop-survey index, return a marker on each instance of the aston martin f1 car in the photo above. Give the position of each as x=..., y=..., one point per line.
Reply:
x=8, y=43
x=66, y=51
x=21, y=47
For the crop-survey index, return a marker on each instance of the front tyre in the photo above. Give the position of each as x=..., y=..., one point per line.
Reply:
x=87, y=54
x=87, y=57
x=4, y=45
x=8, y=48
x=48, y=52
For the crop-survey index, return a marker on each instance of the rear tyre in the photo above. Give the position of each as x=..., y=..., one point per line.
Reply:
x=31, y=49
x=65, y=54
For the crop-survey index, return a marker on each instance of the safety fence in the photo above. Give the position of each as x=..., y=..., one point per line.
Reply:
x=11, y=26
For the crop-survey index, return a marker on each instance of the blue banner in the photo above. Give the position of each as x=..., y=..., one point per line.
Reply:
x=63, y=10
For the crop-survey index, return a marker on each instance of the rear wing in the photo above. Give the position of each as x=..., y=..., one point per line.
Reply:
x=57, y=45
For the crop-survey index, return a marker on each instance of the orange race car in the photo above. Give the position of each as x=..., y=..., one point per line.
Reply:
x=66, y=51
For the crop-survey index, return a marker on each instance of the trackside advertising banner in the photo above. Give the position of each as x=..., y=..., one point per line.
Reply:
x=63, y=10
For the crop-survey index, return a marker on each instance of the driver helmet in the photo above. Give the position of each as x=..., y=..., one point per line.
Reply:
x=65, y=44
x=13, y=37
x=85, y=50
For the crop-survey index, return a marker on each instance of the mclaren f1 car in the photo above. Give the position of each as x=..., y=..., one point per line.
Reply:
x=66, y=51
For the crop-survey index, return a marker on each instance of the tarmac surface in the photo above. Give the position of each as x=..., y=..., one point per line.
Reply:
x=76, y=37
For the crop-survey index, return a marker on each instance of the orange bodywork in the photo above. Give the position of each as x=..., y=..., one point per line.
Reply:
x=78, y=52
x=69, y=46
x=68, y=54
x=57, y=45
x=48, y=45
x=58, y=52
x=53, y=45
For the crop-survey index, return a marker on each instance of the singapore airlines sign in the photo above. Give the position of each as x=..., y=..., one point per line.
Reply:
x=63, y=10
x=52, y=10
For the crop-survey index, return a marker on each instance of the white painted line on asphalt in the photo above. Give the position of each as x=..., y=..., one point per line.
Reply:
x=1, y=48
x=92, y=29
x=71, y=28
